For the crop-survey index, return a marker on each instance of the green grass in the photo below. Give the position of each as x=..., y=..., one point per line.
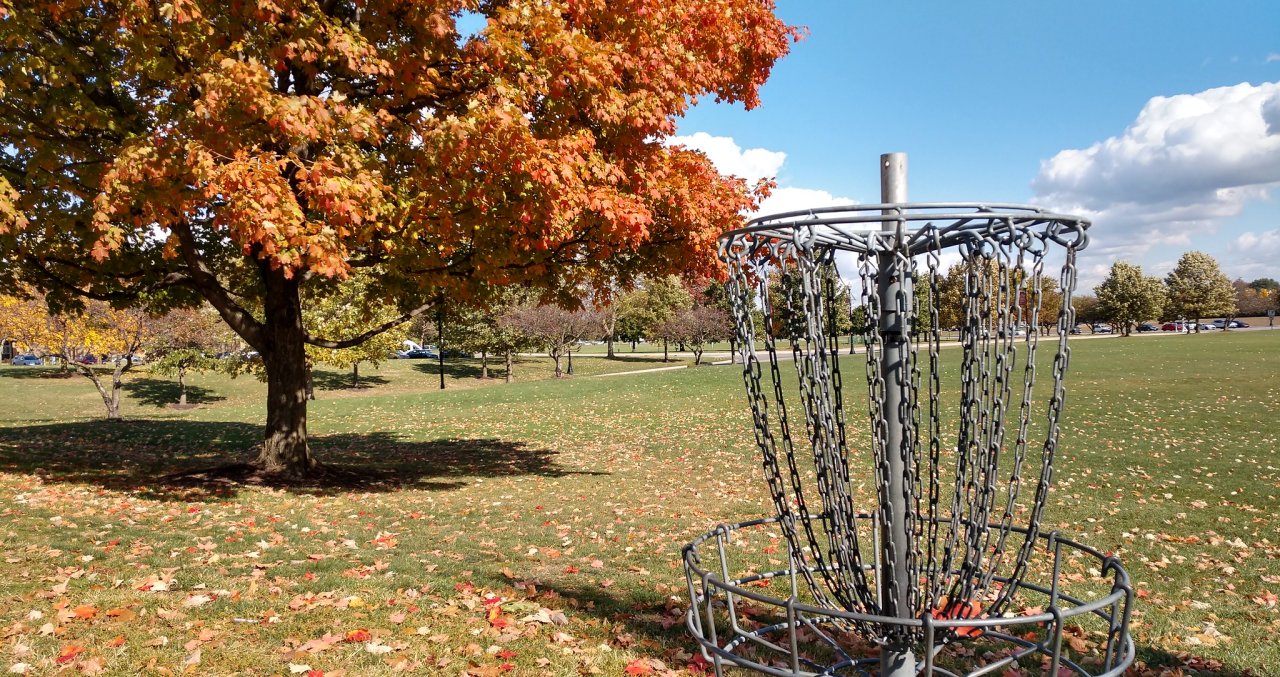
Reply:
x=573, y=496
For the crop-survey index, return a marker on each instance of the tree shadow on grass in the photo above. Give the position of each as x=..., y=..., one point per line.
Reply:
x=191, y=460
x=35, y=372
x=341, y=380
x=161, y=393
x=455, y=369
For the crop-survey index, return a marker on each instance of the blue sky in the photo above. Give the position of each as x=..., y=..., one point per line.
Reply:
x=1159, y=120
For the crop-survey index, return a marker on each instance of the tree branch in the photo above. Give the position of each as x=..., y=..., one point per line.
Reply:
x=385, y=326
x=205, y=282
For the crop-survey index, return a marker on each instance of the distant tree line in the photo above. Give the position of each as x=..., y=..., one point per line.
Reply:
x=1194, y=290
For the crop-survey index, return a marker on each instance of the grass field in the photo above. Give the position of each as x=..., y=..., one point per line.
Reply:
x=535, y=528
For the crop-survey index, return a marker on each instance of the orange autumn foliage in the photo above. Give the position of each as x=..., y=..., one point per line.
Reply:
x=243, y=153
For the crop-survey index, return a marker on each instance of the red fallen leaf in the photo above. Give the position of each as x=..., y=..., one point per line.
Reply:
x=491, y=600
x=506, y=667
x=315, y=673
x=505, y=654
x=68, y=654
x=85, y=611
x=699, y=665
x=360, y=635
x=962, y=610
x=639, y=666
x=571, y=569
x=466, y=587
x=116, y=641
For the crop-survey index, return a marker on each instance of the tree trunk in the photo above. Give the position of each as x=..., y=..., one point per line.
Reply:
x=664, y=351
x=355, y=375
x=484, y=364
x=311, y=382
x=182, y=385
x=508, y=377
x=733, y=350
x=284, y=448
x=609, y=342
x=110, y=399
x=697, y=356
x=555, y=355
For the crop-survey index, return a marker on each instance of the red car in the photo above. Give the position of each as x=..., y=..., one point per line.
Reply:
x=88, y=359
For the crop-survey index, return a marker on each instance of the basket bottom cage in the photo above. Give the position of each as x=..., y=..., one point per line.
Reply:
x=739, y=621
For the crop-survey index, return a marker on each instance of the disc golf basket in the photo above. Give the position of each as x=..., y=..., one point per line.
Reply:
x=920, y=531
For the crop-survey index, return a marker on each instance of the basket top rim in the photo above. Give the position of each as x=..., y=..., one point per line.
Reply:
x=841, y=225
x=904, y=211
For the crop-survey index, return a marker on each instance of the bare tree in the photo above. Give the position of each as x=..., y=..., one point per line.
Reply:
x=695, y=327
x=555, y=330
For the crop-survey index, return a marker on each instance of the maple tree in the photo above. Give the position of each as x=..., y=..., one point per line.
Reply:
x=1128, y=297
x=238, y=153
x=1198, y=289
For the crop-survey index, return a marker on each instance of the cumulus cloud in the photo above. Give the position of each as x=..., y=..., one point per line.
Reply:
x=751, y=164
x=754, y=164
x=1185, y=163
x=1254, y=255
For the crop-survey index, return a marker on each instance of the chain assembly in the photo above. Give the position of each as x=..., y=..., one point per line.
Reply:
x=972, y=426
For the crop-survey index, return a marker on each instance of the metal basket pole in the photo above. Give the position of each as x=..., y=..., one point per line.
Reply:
x=894, y=288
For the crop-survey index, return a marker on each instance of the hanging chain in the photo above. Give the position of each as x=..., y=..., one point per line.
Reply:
x=960, y=502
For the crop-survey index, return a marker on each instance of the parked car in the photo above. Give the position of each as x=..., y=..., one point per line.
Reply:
x=27, y=360
x=1077, y=329
x=1204, y=326
x=1174, y=326
x=1102, y=329
x=87, y=359
x=1235, y=324
x=1147, y=327
x=420, y=354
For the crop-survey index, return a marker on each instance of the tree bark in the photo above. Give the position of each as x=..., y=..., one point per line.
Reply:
x=110, y=399
x=182, y=385
x=284, y=448
x=609, y=341
x=664, y=351
x=484, y=364
x=508, y=377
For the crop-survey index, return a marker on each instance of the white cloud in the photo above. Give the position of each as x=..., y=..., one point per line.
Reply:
x=1254, y=255
x=754, y=164
x=751, y=164
x=1184, y=164
x=788, y=199
x=1274, y=56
